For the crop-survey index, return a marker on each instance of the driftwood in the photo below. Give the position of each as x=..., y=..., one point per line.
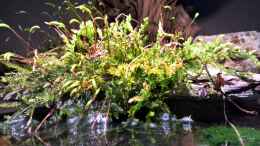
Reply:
x=173, y=17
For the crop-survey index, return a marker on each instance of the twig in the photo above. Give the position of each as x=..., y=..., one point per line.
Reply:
x=224, y=109
x=27, y=45
x=231, y=124
x=44, y=120
x=242, y=109
x=28, y=125
x=42, y=141
x=124, y=15
x=209, y=75
x=107, y=114
x=229, y=99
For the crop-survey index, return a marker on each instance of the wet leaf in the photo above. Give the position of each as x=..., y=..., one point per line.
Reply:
x=3, y=25
x=56, y=24
x=21, y=12
x=84, y=9
x=33, y=29
x=7, y=56
x=52, y=5
x=136, y=99
x=74, y=21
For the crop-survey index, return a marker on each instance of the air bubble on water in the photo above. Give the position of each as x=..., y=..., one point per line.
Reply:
x=165, y=117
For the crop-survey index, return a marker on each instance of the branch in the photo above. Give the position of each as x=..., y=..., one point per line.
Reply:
x=224, y=109
x=44, y=120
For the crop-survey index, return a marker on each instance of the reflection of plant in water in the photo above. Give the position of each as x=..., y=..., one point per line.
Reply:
x=112, y=64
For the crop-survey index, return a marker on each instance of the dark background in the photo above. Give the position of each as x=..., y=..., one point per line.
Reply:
x=219, y=16
x=231, y=16
x=8, y=14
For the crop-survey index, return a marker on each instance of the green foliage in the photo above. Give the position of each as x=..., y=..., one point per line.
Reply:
x=114, y=65
x=219, y=135
x=3, y=25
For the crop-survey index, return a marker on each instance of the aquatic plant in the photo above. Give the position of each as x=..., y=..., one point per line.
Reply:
x=221, y=135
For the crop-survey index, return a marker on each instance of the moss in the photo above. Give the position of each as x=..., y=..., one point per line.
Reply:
x=9, y=105
x=114, y=64
x=219, y=135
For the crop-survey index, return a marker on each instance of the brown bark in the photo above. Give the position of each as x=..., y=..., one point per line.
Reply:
x=174, y=19
x=151, y=9
x=154, y=10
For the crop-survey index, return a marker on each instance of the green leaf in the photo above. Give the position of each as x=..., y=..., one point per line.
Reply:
x=94, y=83
x=67, y=84
x=75, y=91
x=7, y=56
x=56, y=24
x=93, y=98
x=3, y=25
x=136, y=99
x=84, y=9
x=74, y=21
x=196, y=15
x=72, y=85
x=33, y=29
x=50, y=4
x=167, y=7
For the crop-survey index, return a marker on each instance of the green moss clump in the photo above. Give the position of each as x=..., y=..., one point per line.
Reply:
x=114, y=65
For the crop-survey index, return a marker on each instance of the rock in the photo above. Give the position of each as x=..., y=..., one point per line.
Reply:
x=2, y=86
x=10, y=96
x=18, y=127
x=242, y=65
x=186, y=120
x=254, y=77
x=14, y=95
x=257, y=89
x=249, y=40
x=234, y=84
x=244, y=94
x=205, y=104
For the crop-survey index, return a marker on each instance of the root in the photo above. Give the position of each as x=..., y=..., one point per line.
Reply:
x=44, y=120
x=42, y=141
x=224, y=108
x=231, y=124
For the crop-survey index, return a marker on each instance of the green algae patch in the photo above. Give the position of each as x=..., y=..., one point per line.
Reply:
x=221, y=135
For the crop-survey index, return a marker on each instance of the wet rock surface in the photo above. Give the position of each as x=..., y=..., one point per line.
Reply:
x=248, y=40
x=205, y=104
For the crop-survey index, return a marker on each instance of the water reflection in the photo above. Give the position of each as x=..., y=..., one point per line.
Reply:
x=95, y=130
x=80, y=132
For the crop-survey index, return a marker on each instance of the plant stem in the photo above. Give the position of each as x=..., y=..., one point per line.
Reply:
x=224, y=109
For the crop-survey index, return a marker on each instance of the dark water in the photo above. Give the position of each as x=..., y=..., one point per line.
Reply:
x=77, y=131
